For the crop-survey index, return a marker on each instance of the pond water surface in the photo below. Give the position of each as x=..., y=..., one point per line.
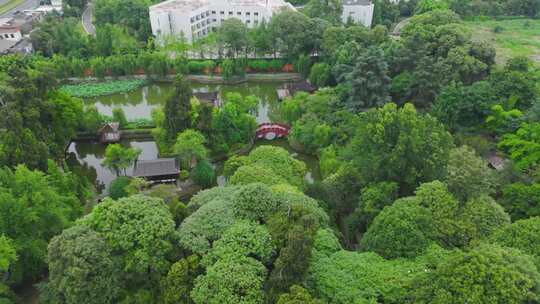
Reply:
x=140, y=103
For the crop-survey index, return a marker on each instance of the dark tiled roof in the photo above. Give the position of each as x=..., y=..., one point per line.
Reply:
x=206, y=96
x=156, y=167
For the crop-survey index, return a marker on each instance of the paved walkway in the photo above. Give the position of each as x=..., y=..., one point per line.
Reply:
x=397, y=29
x=87, y=19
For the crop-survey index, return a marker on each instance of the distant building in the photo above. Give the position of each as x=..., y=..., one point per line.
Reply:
x=10, y=30
x=197, y=18
x=359, y=11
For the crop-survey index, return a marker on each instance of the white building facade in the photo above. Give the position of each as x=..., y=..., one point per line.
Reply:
x=359, y=11
x=10, y=30
x=197, y=18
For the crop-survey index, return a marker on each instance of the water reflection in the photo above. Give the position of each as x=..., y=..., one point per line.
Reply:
x=90, y=155
x=140, y=103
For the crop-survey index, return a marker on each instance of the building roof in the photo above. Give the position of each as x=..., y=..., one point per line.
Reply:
x=206, y=96
x=156, y=167
x=23, y=46
x=5, y=45
x=185, y=5
x=190, y=5
x=497, y=162
x=357, y=2
x=112, y=126
x=300, y=86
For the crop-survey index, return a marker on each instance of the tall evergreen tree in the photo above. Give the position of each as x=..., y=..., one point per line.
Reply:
x=177, y=109
x=368, y=81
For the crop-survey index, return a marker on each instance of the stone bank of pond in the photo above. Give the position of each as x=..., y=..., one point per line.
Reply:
x=140, y=102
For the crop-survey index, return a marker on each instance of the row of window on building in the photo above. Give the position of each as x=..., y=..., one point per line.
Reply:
x=230, y=13
x=7, y=36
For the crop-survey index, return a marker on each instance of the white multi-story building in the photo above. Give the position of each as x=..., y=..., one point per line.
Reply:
x=196, y=18
x=359, y=11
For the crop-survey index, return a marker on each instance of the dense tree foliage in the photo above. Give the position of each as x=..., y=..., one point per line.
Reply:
x=34, y=208
x=500, y=275
x=400, y=145
x=36, y=120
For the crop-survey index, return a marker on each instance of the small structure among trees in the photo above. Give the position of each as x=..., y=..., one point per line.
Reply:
x=290, y=89
x=109, y=133
x=208, y=97
x=157, y=170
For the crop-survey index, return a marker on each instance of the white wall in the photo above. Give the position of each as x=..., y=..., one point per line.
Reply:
x=361, y=14
x=198, y=23
x=10, y=35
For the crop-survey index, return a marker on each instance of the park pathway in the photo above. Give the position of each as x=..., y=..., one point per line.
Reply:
x=88, y=26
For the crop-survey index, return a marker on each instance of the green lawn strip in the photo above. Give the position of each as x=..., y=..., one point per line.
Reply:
x=517, y=37
x=4, y=8
x=85, y=90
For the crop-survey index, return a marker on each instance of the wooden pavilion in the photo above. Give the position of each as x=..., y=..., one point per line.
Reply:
x=290, y=89
x=157, y=170
x=109, y=133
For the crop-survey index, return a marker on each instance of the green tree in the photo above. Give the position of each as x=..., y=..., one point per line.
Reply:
x=294, y=231
x=424, y=6
x=320, y=74
x=502, y=121
x=386, y=139
x=118, y=158
x=293, y=33
x=180, y=280
x=8, y=255
x=177, y=110
x=140, y=231
x=297, y=295
x=120, y=117
x=36, y=120
x=233, y=35
x=500, y=275
x=303, y=65
x=523, y=235
x=234, y=280
x=329, y=10
x=344, y=277
x=117, y=189
x=367, y=80
x=468, y=175
x=82, y=268
x=243, y=239
x=203, y=174
x=521, y=200
x=373, y=199
x=34, y=207
x=190, y=147
x=404, y=229
x=523, y=146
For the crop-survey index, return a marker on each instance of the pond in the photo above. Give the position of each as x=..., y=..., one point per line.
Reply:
x=90, y=155
x=140, y=103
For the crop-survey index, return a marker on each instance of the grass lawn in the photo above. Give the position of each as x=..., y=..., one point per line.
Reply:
x=10, y=5
x=517, y=37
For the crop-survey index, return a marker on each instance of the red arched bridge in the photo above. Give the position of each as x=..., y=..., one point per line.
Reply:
x=271, y=131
